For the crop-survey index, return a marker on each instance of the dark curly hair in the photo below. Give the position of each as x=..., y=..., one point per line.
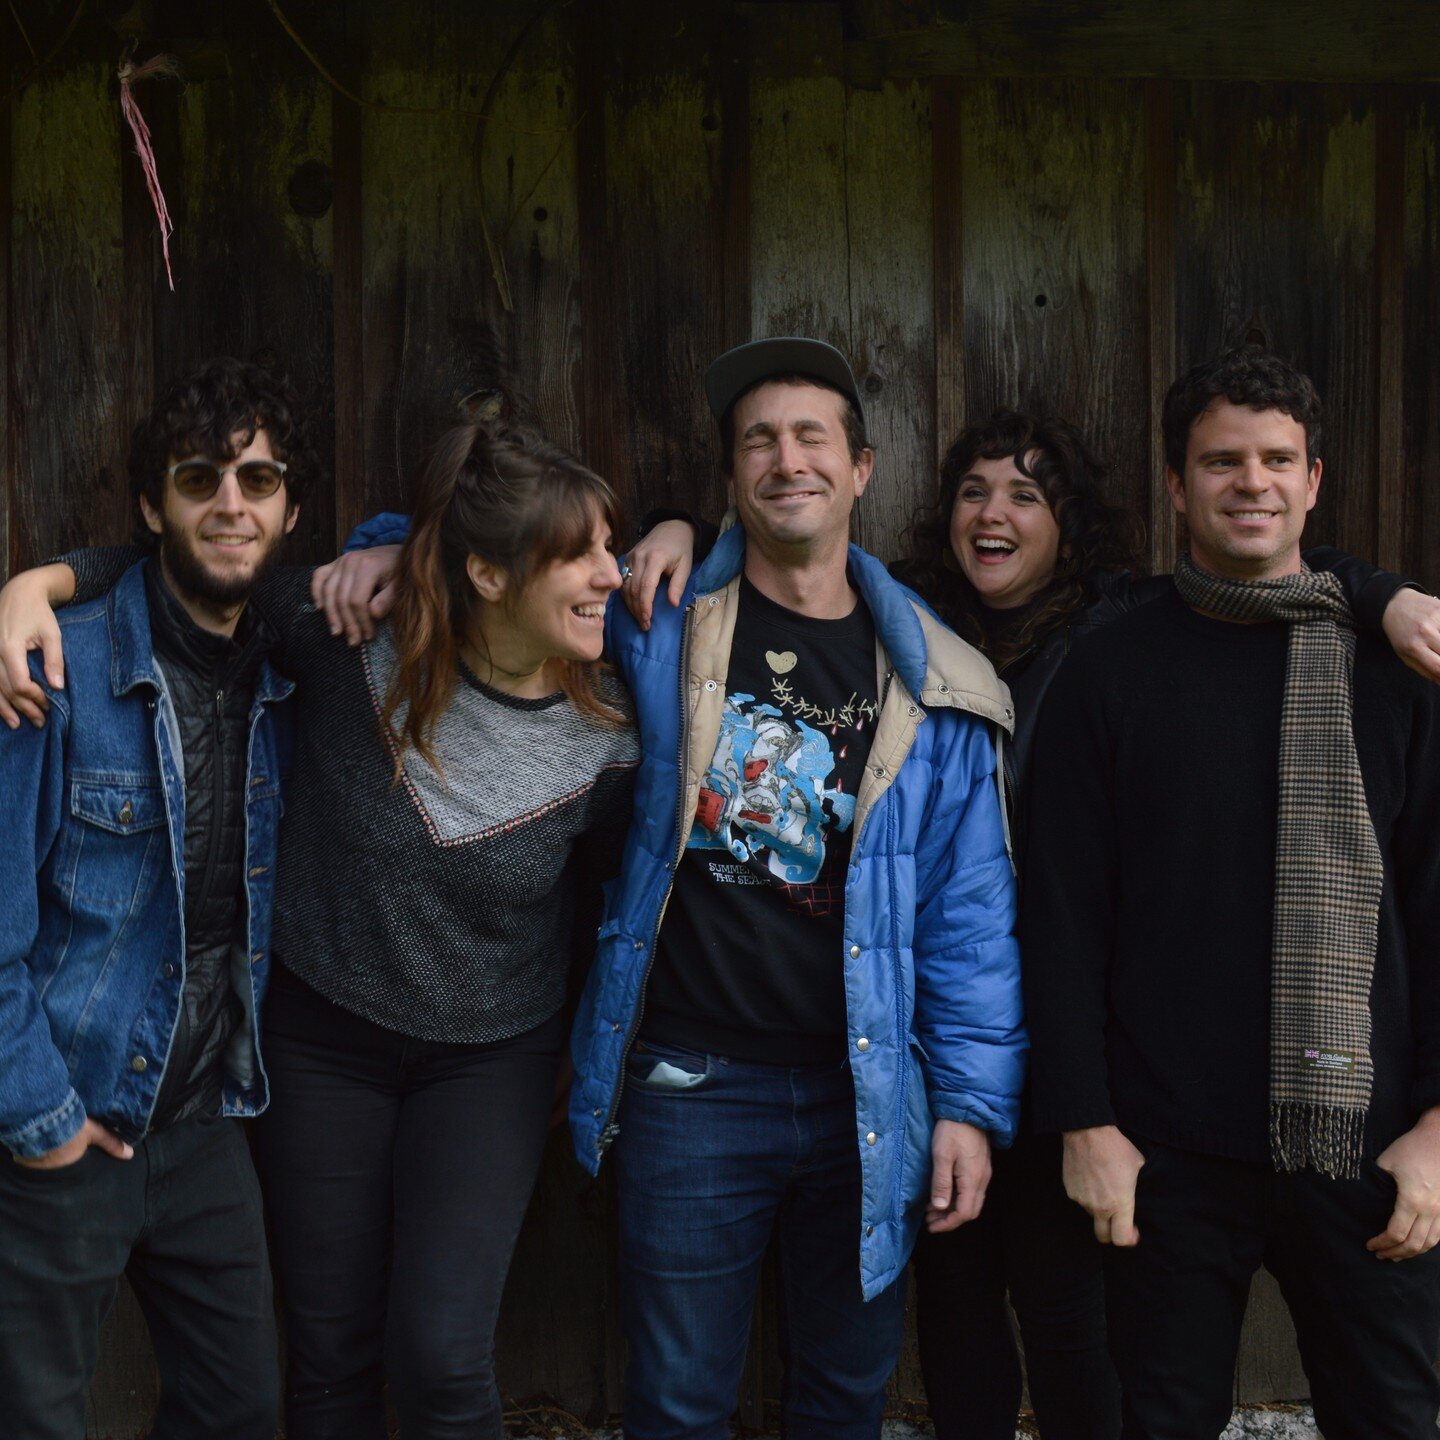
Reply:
x=205, y=413
x=1094, y=535
x=1247, y=375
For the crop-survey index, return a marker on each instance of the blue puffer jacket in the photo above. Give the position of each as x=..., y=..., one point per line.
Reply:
x=932, y=974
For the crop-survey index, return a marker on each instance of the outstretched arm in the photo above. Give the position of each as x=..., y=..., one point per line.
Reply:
x=1384, y=602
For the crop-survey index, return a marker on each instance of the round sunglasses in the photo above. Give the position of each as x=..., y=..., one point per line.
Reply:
x=200, y=479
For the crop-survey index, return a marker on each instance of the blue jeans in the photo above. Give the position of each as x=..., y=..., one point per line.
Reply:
x=713, y=1157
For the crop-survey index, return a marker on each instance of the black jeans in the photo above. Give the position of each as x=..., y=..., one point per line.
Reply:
x=1368, y=1328
x=1040, y=1246
x=182, y=1220
x=397, y=1172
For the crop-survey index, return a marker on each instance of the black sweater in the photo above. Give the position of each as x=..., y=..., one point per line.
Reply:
x=1146, y=920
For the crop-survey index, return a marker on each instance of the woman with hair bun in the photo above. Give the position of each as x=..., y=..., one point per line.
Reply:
x=460, y=784
x=459, y=781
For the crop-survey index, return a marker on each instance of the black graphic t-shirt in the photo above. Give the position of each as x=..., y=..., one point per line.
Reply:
x=750, y=962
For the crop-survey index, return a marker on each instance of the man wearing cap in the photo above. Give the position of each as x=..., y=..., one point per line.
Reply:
x=806, y=984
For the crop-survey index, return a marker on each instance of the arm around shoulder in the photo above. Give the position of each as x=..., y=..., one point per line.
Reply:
x=27, y=623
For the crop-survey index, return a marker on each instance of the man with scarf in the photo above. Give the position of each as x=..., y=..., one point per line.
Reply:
x=1232, y=945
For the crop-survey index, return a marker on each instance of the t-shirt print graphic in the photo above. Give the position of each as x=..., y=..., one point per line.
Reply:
x=766, y=797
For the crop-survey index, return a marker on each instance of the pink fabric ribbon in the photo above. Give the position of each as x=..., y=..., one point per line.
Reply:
x=128, y=73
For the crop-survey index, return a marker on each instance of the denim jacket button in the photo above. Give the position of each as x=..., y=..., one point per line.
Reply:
x=862, y=1043
x=127, y=814
x=139, y=1063
x=854, y=952
x=871, y=1138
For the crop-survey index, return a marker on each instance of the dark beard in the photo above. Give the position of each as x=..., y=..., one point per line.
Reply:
x=192, y=580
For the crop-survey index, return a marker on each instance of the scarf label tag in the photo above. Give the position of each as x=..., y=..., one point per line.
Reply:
x=1317, y=1059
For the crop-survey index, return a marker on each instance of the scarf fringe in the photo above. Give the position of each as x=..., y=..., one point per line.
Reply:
x=1327, y=1138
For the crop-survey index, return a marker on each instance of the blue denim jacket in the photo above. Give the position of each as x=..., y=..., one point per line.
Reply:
x=92, y=945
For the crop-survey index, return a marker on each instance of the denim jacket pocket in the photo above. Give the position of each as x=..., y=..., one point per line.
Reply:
x=117, y=836
x=123, y=809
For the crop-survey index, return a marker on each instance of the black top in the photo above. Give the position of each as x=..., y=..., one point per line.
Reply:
x=750, y=957
x=211, y=682
x=1146, y=915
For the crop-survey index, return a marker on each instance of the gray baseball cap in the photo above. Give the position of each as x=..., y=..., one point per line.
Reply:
x=737, y=370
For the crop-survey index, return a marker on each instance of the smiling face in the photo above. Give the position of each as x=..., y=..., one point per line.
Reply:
x=1245, y=492
x=1003, y=533
x=212, y=551
x=792, y=480
x=559, y=613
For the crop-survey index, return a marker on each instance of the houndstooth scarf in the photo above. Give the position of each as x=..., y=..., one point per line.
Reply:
x=1328, y=874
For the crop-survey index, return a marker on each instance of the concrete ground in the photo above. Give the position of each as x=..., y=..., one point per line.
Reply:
x=1273, y=1422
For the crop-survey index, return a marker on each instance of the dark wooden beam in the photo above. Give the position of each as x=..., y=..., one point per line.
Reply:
x=733, y=85
x=946, y=102
x=1160, y=302
x=1181, y=39
x=1390, y=485
x=8, y=558
x=347, y=279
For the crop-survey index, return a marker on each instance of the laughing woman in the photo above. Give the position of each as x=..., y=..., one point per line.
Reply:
x=454, y=785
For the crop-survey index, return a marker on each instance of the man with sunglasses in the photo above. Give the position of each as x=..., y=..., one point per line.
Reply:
x=136, y=881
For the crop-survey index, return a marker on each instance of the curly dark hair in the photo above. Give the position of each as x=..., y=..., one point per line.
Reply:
x=1247, y=375
x=1094, y=535
x=205, y=413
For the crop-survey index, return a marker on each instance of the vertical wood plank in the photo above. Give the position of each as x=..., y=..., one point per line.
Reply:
x=1275, y=226
x=427, y=342
x=1160, y=304
x=247, y=169
x=799, y=247
x=1390, y=322
x=843, y=244
x=532, y=208
x=1055, y=262
x=662, y=235
x=69, y=415
x=347, y=299
x=734, y=80
x=7, y=439
x=1421, y=376
x=139, y=227
x=948, y=191
x=890, y=239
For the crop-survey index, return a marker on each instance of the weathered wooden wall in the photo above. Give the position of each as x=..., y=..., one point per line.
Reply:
x=981, y=202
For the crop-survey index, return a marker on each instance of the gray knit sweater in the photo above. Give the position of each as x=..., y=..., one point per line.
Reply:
x=443, y=906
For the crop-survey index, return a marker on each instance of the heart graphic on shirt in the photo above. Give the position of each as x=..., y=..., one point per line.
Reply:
x=783, y=663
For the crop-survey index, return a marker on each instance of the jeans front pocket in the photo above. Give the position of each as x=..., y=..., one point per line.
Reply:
x=665, y=1069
